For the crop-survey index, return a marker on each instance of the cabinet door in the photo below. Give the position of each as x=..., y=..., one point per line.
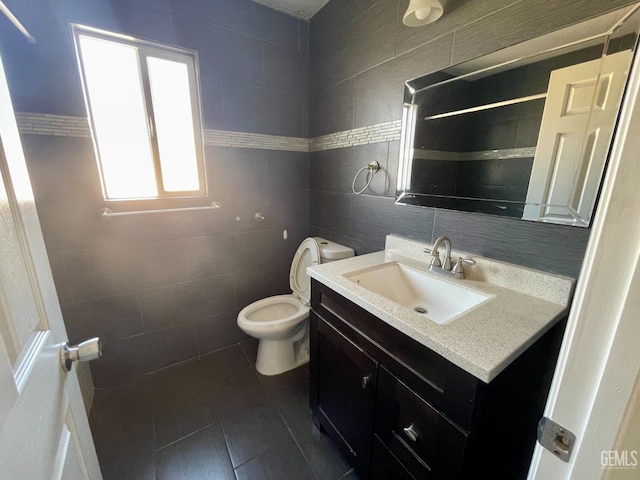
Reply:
x=346, y=393
x=385, y=466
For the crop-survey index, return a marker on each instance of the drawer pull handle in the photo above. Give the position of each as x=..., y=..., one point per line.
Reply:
x=411, y=433
x=365, y=381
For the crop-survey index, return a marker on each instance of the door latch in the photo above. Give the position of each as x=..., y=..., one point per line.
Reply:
x=555, y=438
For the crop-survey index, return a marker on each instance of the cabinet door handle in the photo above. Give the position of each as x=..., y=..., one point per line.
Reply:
x=411, y=433
x=366, y=380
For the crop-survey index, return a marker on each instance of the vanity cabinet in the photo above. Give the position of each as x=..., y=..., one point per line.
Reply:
x=398, y=410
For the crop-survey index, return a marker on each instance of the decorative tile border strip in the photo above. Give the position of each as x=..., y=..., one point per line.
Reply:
x=504, y=154
x=382, y=132
x=226, y=138
x=70, y=126
x=49, y=124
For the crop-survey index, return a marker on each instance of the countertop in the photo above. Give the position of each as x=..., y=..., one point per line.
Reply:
x=483, y=341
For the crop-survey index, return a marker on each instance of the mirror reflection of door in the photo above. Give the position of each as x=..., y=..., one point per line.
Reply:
x=522, y=132
x=575, y=134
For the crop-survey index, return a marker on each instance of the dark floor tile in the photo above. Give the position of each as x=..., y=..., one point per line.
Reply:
x=129, y=396
x=223, y=363
x=292, y=401
x=250, y=349
x=281, y=461
x=277, y=385
x=250, y=422
x=201, y=456
x=122, y=428
x=178, y=420
x=264, y=426
x=179, y=404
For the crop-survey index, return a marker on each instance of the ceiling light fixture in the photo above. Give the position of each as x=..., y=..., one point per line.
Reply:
x=422, y=12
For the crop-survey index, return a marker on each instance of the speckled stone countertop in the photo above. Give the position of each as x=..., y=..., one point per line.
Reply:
x=525, y=303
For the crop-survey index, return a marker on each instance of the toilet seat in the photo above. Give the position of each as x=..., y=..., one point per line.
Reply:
x=279, y=313
x=307, y=255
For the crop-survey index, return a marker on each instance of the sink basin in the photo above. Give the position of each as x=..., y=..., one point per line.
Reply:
x=437, y=300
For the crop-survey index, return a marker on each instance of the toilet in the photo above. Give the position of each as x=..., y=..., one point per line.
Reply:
x=281, y=322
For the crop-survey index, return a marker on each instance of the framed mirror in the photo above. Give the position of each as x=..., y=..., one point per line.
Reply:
x=524, y=132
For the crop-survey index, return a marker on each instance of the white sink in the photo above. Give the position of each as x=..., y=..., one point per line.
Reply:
x=435, y=299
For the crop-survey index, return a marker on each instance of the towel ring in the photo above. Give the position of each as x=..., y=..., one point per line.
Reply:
x=371, y=168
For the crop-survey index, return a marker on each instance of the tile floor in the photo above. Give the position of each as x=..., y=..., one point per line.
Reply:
x=213, y=418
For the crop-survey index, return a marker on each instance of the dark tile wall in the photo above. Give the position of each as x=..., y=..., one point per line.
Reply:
x=163, y=288
x=361, y=54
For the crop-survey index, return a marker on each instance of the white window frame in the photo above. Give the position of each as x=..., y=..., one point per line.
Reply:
x=144, y=49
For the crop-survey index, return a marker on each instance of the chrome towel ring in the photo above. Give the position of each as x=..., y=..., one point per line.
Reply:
x=371, y=168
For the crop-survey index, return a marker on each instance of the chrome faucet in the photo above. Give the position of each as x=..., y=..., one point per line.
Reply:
x=436, y=264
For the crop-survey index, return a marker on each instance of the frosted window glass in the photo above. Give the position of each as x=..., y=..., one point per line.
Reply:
x=171, y=100
x=119, y=116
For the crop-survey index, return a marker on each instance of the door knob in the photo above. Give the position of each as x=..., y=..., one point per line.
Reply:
x=366, y=381
x=83, y=352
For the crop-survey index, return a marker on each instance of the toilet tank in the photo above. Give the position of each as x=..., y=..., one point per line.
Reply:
x=331, y=251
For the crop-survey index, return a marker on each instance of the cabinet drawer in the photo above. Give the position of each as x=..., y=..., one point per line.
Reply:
x=424, y=440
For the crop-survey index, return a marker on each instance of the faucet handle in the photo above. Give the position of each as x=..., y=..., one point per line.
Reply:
x=435, y=257
x=458, y=268
x=466, y=261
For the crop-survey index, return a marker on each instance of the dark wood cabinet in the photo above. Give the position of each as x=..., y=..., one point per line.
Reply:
x=346, y=393
x=398, y=410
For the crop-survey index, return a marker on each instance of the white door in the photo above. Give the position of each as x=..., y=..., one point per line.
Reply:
x=577, y=124
x=44, y=432
x=600, y=361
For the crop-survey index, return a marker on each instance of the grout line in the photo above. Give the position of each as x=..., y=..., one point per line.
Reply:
x=245, y=353
x=226, y=445
x=186, y=436
x=295, y=440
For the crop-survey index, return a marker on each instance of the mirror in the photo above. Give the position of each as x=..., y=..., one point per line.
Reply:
x=524, y=132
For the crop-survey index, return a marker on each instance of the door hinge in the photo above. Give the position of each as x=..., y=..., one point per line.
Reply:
x=555, y=438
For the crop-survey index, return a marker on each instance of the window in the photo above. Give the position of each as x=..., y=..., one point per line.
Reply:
x=145, y=116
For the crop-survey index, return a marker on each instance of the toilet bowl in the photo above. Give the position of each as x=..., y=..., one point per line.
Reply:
x=281, y=322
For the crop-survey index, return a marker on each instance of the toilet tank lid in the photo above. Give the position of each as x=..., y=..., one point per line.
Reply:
x=331, y=250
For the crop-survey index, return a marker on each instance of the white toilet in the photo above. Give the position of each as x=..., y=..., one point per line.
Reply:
x=280, y=323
